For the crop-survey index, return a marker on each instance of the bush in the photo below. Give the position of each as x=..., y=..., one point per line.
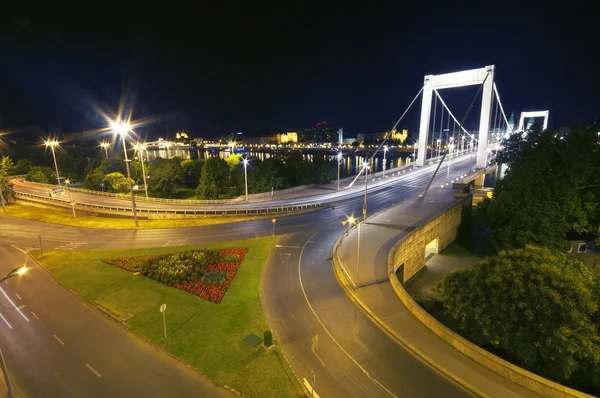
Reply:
x=232, y=257
x=215, y=277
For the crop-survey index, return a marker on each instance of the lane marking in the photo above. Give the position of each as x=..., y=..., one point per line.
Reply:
x=17, y=294
x=167, y=243
x=21, y=306
x=13, y=304
x=94, y=371
x=310, y=390
x=5, y=321
x=284, y=257
x=366, y=372
x=58, y=339
x=34, y=315
x=289, y=247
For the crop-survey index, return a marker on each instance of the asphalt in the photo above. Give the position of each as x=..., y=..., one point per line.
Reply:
x=303, y=299
x=57, y=346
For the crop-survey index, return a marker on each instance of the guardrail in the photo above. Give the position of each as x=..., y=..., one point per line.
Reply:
x=149, y=213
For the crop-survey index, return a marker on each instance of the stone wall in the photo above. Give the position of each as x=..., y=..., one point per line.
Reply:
x=410, y=254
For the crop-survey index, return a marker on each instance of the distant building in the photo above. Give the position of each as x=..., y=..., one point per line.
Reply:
x=280, y=138
x=322, y=132
x=369, y=137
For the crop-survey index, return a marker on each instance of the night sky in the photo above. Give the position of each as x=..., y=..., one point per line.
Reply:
x=261, y=71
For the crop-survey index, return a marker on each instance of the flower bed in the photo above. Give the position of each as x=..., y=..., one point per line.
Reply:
x=186, y=270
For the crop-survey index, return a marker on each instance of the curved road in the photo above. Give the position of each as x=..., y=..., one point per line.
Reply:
x=309, y=312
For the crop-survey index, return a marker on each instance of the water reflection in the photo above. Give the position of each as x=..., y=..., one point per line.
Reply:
x=351, y=162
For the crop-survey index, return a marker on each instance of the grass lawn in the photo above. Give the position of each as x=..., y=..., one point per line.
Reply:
x=203, y=334
x=65, y=217
x=455, y=250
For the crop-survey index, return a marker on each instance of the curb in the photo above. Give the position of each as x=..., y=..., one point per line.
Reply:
x=403, y=342
x=286, y=359
x=157, y=348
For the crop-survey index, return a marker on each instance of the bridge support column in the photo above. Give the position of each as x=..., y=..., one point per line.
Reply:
x=479, y=181
x=425, y=118
x=484, y=120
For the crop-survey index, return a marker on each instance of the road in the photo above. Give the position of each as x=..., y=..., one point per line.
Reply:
x=57, y=346
x=310, y=314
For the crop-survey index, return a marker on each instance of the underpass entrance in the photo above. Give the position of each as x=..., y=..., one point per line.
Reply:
x=431, y=249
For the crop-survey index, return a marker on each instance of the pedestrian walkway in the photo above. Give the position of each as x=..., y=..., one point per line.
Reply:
x=377, y=237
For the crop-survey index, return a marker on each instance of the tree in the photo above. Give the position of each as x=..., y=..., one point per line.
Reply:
x=213, y=180
x=534, y=304
x=266, y=175
x=95, y=178
x=23, y=166
x=116, y=182
x=552, y=187
x=167, y=174
x=6, y=170
x=41, y=174
x=233, y=160
x=191, y=170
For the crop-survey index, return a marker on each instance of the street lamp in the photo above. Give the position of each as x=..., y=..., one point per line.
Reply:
x=438, y=147
x=53, y=144
x=340, y=157
x=366, y=167
x=356, y=222
x=415, y=146
x=385, y=149
x=140, y=148
x=121, y=129
x=245, y=162
x=17, y=271
x=450, y=147
x=105, y=145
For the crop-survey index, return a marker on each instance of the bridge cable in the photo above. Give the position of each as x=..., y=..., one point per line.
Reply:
x=453, y=117
x=502, y=109
x=389, y=132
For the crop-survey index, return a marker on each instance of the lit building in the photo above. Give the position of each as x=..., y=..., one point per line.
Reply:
x=280, y=138
x=322, y=132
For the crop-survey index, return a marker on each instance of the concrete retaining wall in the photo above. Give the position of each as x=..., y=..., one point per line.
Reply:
x=402, y=252
x=442, y=229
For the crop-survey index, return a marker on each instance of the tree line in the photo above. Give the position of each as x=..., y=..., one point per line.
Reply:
x=213, y=178
x=531, y=302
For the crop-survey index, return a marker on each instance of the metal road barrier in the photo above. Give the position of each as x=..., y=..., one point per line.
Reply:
x=127, y=212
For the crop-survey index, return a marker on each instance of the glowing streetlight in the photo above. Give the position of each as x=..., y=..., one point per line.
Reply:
x=139, y=147
x=340, y=158
x=356, y=222
x=105, y=146
x=366, y=167
x=415, y=146
x=122, y=129
x=385, y=149
x=17, y=271
x=245, y=162
x=450, y=148
x=438, y=147
x=53, y=144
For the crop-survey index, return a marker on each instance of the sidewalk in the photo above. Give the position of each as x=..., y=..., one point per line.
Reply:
x=376, y=294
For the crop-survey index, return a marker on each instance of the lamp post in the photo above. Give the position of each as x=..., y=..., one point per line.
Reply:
x=122, y=129
x=385, y=149
x=17, y=271
x=140, y=148
x=168, y=146
x=53, y=144
x=366, y=167
x=245, y=161
x=71, y=201
x=450, y=147
x=353, y=221
x=415, y=146
x=105, y=145
x=438, y=147
x=340, y=157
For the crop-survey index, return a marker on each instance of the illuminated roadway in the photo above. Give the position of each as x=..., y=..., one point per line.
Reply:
x=302, y=300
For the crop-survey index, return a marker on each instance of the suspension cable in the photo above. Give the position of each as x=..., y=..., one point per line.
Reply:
x=502, y=109
x=389, y=132
x=453, y=117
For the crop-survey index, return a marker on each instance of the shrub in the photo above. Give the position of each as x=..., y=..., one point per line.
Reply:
x=231, y=257
x=215, y=277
